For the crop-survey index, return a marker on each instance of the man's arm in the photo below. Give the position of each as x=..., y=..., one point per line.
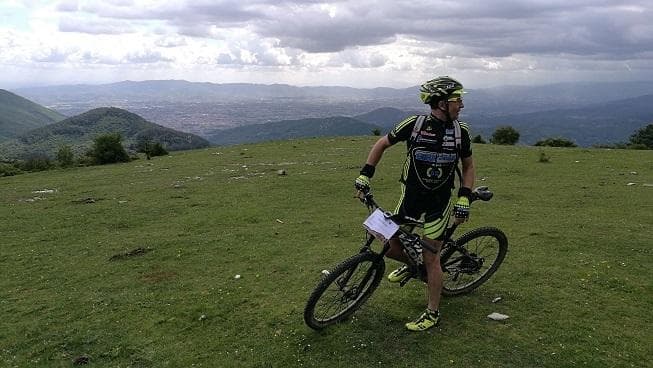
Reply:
x=469, y=172
x=377, y=151
x=362, y=183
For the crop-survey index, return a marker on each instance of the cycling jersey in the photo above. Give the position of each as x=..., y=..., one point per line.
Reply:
x=432, y=155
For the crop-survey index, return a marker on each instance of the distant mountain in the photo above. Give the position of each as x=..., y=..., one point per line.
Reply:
x=314, y=127
x=79, y=132
x=491, y=101
x=19, y=115
x=205, y=108
x=387, y=117
x=595, y=124
x=510, y=100
x=180, y=90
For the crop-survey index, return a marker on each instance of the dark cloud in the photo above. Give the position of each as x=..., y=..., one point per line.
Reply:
x=484, y=28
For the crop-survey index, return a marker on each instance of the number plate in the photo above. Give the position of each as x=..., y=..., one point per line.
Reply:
x=380, y=225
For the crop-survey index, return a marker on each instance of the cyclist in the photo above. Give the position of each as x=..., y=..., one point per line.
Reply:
x=427, y=180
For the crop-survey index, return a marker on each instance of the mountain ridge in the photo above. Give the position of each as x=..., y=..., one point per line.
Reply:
x=80, y=130
x=19, y=115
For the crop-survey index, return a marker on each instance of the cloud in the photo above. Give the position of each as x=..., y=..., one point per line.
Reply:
x=95, y=26
x=145, y=57
x=398, y=38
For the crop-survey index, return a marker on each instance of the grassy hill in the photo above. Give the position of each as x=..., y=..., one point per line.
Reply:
x=135, y=264
x=19, y=115
x=79, y=132
x=288, y=129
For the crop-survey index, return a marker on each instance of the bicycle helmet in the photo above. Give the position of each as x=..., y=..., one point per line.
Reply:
x=439, y=88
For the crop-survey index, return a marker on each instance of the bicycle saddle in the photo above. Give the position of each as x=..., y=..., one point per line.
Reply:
x=483, y=193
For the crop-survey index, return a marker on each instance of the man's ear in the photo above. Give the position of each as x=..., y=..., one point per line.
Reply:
x=442, y=105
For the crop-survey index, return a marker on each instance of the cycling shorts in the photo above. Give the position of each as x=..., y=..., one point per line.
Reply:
x=434, y=206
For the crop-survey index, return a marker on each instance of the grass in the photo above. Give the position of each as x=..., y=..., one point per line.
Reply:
x=134, y=265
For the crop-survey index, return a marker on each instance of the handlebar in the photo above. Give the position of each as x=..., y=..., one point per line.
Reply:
x=482, y=193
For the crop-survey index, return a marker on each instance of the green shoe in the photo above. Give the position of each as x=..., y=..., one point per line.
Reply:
x=427, y=320
x=399, y=274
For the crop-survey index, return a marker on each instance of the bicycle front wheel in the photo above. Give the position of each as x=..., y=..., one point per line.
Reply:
x=477, y=256
x=343, y=290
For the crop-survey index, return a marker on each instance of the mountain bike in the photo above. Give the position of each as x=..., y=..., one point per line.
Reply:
x=467, y=262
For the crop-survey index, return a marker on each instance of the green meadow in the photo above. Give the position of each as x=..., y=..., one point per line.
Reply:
x=205, y=258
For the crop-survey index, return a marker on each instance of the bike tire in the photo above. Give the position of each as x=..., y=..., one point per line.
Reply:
x=483, y=242
x=341, y=301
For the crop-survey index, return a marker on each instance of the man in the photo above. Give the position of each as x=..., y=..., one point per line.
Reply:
x=428, y=177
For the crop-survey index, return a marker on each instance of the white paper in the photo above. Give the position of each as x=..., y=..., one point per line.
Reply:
x=380, y=226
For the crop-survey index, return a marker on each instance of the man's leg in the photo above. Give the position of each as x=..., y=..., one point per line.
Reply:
x=436, y=223
x=396, y=252
x=434, y=273
x=431, y=317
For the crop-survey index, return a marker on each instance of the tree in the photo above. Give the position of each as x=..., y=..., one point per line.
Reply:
x=65, y=156
x=108, y=149
x=555, y=142
x=643, y=137
x=506, y=135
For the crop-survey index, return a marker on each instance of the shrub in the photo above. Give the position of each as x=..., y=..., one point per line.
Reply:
x=555, y=142
x=7, y=169
x=544, y=158
x=643, y=137
x=157, y=149
x=376, y=131
x=36, y=162
x=478, y=139
x=150, y=148
x=505, y=135
x=65, y=156
x=108, y=149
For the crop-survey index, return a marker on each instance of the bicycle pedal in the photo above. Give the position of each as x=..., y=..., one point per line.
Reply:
x=405, y=281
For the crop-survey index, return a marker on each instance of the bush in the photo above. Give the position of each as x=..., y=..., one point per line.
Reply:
x=8, y=169
x=478, y=139
x=544, y=158
x=36, y=162
x=376, y=131
x=65, y=156
x=150, y=148
x=157, y=149
x=643, y=138
x=506, y=135
x=108, y=149
x=555, y=142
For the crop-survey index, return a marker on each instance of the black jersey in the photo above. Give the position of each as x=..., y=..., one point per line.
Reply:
x=432, y=155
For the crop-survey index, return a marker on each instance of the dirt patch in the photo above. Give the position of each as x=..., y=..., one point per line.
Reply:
x=158, y=276
x=132, y=253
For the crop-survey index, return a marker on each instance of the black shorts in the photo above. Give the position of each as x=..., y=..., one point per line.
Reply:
x=434, y=206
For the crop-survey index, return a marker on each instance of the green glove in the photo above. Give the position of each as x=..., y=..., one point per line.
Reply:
x=362, y=183
x=461, y=208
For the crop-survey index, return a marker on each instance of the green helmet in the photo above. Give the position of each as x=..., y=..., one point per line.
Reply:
x=439, y=88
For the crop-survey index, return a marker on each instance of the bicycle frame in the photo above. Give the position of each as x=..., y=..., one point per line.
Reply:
x=481, y=193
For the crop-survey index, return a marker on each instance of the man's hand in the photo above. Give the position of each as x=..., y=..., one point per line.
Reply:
x=362, y=183
x=461, y=210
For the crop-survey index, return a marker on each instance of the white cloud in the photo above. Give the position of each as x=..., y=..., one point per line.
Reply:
x=378, y=42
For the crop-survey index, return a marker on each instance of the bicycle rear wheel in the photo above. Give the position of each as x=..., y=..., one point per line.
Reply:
x=464, y=270
x=343, y=290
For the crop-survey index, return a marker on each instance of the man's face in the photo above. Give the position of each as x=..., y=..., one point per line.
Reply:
x=455, y=105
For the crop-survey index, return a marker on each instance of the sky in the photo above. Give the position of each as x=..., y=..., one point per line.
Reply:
x=358, y=43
